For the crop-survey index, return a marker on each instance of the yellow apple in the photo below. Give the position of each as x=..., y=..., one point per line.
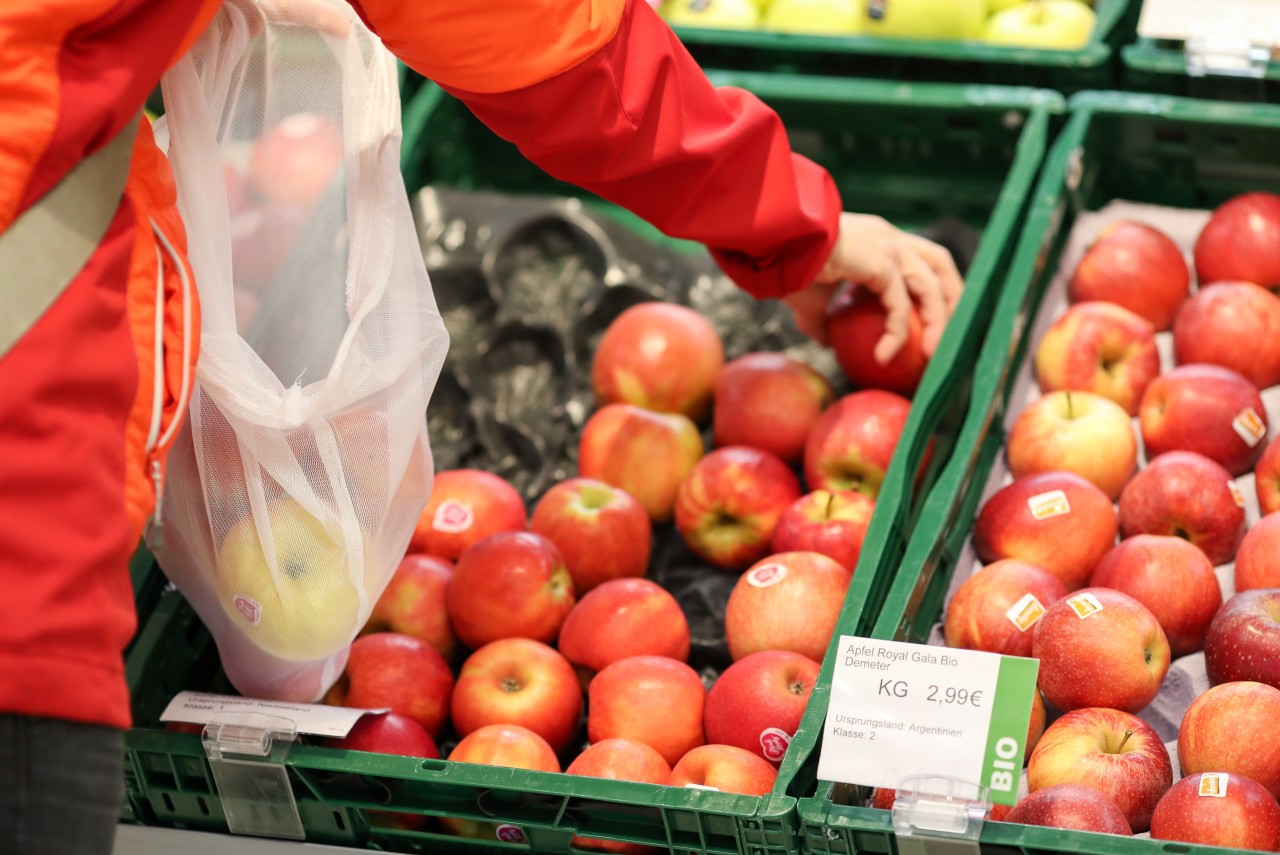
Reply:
x=923, y=19
x=824, y=17
x=712, y=13
x=1054, y=24
x=994, y=6
x=292, y=597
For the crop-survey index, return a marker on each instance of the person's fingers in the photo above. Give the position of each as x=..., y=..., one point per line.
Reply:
x=809, y=306
x=925, y=286
x=889, y=284
x=944, y=266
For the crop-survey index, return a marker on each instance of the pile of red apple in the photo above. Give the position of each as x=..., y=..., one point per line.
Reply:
x=1117, y=542
x=536, y=639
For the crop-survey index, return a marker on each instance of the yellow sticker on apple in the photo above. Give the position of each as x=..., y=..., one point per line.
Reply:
x=1026, y=613
x=1249, y=427
x=1236, y=494
x=1084, y=604
x=766, y=575
x=1214, y=784
x=1051, y=504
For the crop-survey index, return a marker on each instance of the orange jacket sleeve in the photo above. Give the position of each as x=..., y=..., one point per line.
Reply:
x=602, y=94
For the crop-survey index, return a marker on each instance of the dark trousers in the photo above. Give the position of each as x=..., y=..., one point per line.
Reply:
x=61, y=786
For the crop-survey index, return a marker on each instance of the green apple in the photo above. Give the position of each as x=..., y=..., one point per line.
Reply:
x=1054, y=24
x=923, y=19
x=295, y=600
x=712, y=13
x=994, y=6
x=826, y=17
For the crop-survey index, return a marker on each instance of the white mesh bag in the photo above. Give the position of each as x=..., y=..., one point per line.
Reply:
x=295, y=485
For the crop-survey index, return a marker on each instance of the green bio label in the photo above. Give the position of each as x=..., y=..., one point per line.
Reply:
x=898, y=710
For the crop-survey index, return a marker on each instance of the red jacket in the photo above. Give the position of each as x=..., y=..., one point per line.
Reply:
x=597, y=92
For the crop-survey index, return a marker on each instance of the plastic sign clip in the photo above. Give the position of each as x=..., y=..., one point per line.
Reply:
x=246, y=752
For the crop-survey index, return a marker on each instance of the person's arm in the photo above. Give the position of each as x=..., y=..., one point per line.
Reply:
x=600, y=93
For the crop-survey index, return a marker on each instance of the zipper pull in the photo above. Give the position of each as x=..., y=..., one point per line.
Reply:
x=156, y=535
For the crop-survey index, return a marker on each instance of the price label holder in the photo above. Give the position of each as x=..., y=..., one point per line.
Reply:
x=1235, y=38
x=899, y=711
x=937, y=815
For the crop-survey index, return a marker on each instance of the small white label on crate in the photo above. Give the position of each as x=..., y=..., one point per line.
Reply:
x=1236, y=494
x=1249, y=427
x=1025, y=613
x=1047, y=505
x=452, y=517
x=766, y=575
x=1084, y=604
x=316, y=719
x=1214, y=784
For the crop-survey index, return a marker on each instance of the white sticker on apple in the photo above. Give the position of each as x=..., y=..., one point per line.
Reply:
x=1026, y=612
x=1084, y=604
x=1236, y=494
x=1045, y=506
x=250, y=608
x=509, y=833
x=774, y=742
x=1249, y=427
x=1214, y=784
x=452, y=517
x=766, y=575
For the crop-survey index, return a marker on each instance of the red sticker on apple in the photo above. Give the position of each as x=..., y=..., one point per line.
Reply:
x=1084, y=604
x=452, y=517
x=248, y=607
x=1236, y=494
x=509, y=833
x=1026, y=612
x=766, y=575
x=774, y=743
x=1047, y=505
x=1214, y=784
x=1249, y=427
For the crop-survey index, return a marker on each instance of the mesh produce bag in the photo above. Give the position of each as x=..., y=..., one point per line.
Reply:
x=304, y=465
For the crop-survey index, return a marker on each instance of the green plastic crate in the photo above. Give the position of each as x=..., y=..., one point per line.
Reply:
x=1095, y=66
x=1152, y=65
x=1157, y=150
x=909, y=153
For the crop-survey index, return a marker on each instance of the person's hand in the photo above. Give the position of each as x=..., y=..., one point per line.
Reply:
x=872, y=253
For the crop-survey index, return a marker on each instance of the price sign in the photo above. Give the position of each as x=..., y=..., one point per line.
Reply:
x=901, y=709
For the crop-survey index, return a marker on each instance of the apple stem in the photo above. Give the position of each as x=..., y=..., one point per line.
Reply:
x=1070, y=410
x=831, y=497
x=1127, y=734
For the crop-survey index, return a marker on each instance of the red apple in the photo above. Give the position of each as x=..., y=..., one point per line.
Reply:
x=1115, y=753
x=1185, y=495
x=390, y=734
x=651, y=699
x=882, y=798
x=728, y=506
x=413, y=603
x=769, y=401
x=853, y=441
x=511, y=747
x=1219, y=809
x=1057, y=521
x=644, y=453
x=659, y=356
x=790, y=601
x=1100, y=348
x=1172, y=578
x=1207, y=409
x=1134, y=266
x=1267, y=479
x=1243, y=642
x=1100, y=648
x=511, y=584
x=518, y=681
x=725, y=768
x=1231, y=728
x=465, y=507
x=262, y=237
x=1211, y=326
x=855, y=322
x=1078, y=432
x=1071, y=806
x=619, y=760
x=624, y=618
x=237, y=189
x=832, y=523
x=1241, y=242
x=1258, y=559
x=397, y=672
x=602, y=532
x=758, y=701
x=997, y=608
x=296, y=159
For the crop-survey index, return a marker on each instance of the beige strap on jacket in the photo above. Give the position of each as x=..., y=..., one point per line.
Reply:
x=44, y=249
